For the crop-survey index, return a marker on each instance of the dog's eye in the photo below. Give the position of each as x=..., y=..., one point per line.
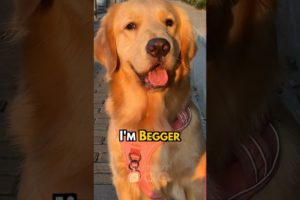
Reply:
x=131, y=26
x=169, y=22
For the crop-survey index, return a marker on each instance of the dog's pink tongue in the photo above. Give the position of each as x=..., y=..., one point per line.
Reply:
x=158, y=77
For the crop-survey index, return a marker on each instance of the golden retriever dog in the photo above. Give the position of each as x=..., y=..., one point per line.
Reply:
x=146, y=47
x=243, y=77
x=52, y=116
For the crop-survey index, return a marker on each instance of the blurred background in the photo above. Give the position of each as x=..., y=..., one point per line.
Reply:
x=10, y=160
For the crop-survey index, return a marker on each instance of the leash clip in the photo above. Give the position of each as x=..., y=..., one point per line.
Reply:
x=134, y=176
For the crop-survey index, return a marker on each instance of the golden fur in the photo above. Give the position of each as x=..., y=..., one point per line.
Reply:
x=52, y=116
x=242, y=81
x=131, y=106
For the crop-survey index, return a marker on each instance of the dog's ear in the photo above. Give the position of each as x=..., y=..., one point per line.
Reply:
x=188, y=46
x=105, y=50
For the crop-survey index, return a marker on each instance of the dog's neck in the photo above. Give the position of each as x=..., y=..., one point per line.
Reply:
x=134, y=106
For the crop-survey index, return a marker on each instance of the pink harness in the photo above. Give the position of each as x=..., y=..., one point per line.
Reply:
x=251, y=167
x=138, y=156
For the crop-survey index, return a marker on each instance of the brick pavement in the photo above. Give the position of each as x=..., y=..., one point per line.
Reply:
x=103, y=188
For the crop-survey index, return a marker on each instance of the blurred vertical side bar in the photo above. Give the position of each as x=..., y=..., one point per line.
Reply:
x=288, y=27
x=47, y=49
x=9, y=158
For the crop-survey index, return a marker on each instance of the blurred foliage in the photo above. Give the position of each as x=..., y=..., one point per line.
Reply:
x=201, y=4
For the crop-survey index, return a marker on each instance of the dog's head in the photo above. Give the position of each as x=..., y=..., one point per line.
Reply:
x=149, y=38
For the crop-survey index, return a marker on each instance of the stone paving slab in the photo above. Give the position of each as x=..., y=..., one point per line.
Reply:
x=105, y=192
x=101, y=168
x=197, y=17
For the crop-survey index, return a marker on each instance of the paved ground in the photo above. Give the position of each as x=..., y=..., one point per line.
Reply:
x=102, y=176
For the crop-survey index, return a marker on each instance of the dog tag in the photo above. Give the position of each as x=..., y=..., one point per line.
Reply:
x=134, y=177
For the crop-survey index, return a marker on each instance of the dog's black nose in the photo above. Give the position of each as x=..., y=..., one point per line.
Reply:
x=158, y=47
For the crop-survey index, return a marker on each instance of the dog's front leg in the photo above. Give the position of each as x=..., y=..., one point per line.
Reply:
x=175, y=191
x=126, y=190
x=195, y=190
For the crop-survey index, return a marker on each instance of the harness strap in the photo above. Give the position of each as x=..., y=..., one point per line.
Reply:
x=182, y=120
x=138, y=156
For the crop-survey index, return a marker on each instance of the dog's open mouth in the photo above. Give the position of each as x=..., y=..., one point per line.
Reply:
x=156, y=77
